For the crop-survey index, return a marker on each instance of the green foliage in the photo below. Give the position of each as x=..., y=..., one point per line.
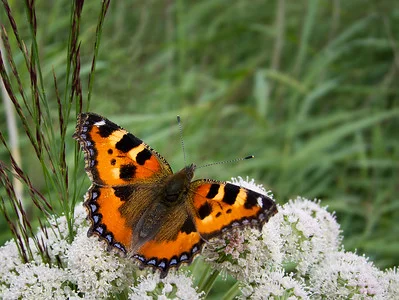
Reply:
x=308, y=87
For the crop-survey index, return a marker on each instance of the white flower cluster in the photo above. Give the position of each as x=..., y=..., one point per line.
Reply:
x=297, y=255
x=174, y=286
x=81, y=269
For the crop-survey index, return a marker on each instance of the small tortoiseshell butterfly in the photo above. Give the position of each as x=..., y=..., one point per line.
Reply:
x=140, y=207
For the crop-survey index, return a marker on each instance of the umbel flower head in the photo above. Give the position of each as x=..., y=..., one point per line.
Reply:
x=174, y=286
x=296, y=255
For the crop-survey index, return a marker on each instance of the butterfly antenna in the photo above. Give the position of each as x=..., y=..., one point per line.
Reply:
x=181, y=139
x=226, y=161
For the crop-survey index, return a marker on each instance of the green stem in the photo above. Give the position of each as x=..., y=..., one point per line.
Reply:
x=206, y=285
x=232, y=292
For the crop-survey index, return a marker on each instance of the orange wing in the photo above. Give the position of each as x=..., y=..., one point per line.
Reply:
x=123, y=171
x=171, y=252
x=114, y=156
x=220, y=206
x=107, y=222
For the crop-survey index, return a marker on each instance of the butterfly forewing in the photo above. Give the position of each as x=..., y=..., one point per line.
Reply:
x=114, y=156
x=220, y=206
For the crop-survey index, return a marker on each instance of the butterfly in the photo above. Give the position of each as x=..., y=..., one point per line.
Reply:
x=140, y=207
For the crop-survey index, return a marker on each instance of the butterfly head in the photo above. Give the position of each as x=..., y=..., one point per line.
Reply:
x=189, y=171
x=177, y=186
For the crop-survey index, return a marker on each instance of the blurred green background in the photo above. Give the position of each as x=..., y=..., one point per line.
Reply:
x=308, y=87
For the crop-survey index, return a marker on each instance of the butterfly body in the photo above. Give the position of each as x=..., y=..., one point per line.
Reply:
x=140, y=207
x=178, y=185
x=167, y=209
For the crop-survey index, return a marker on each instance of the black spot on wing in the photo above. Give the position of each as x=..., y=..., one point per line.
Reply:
x=268, y=203
x=110, y=151
x=128, y=142
x=252, y=199
x=142, y=156
x=204, y=211
x=230, y=193
x=188, y=226
x=113, y=161
x=106, y=130
x=124, y=192
x=92, y=118
x=213, y=191
x=127, y=172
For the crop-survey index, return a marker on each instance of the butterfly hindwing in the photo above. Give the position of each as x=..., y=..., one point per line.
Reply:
x=115, y=211
x=106, y=219
x=182, y=243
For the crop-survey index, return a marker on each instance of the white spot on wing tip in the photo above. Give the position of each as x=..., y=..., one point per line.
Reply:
x=99, y=123
x=260, y=201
